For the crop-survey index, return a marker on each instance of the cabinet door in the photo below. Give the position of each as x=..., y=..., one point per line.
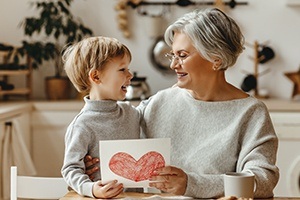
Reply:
x=23, y=121
x=14, y=149
x=286, y=124
x=49, y=128
x=287, y=127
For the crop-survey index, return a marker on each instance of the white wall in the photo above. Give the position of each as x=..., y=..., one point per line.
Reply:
x=262, y=20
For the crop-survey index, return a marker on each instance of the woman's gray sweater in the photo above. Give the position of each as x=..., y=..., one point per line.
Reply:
x=211, y=138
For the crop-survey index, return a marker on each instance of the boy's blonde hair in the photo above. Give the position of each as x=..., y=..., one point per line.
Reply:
x=90, y=54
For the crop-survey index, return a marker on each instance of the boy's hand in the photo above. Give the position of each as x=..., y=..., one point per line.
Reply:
x=108, y=190
x=91, y=166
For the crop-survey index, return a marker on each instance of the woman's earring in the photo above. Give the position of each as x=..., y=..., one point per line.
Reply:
x=217, y=64
x=215, y=67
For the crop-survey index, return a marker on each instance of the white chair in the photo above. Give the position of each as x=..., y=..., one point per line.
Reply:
x=30, y=187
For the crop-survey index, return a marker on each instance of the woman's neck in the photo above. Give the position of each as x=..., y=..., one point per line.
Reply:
x=216, y=89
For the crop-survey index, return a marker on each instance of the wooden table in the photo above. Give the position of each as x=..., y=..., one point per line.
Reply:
x=72, y=195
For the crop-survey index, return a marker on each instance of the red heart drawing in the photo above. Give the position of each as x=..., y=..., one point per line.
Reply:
x=126, y=166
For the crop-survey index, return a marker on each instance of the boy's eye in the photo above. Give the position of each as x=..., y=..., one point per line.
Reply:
x=123, y=70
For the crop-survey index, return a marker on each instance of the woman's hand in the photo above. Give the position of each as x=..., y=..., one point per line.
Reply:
x=170, y=179
x=91, y=166
x=108, y=190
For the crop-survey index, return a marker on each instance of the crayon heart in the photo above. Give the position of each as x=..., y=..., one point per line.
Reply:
x=125, y=165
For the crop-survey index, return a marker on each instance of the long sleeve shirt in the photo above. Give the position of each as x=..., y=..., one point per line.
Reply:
x=98, y=120
x=211, y=138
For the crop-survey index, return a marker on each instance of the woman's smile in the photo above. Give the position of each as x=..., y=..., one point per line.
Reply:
x=181, y=75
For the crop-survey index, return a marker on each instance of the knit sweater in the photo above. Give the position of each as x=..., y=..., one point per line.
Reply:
x=211, y=138
x=98, y=120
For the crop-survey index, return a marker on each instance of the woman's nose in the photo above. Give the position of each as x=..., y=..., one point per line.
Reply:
x=174, y=65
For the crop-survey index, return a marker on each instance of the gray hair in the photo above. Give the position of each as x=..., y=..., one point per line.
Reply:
x=213, y=33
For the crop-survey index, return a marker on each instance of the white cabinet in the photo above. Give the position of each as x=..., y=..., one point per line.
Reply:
x=23, y=121
x=19, y=113
x=287, y=124
x=49, y=123
x=287, y=127
x=15, y=143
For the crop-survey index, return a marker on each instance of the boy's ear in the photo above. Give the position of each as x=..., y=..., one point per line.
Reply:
x=95, y=76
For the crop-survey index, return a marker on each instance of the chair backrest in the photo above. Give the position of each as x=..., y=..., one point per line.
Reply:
x=32, y=187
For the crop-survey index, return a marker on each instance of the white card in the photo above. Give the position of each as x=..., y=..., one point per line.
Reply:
x=132, y=162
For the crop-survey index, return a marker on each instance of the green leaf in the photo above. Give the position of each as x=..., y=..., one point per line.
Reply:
x=48, y=27
x=54, y=18
x=16, y=59
x=63, y=8
x=57, y=33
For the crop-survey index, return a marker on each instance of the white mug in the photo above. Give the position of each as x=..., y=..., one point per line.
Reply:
x=239, y=184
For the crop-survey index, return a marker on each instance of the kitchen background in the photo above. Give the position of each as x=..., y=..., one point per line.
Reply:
x=43, y=123
x=269, y=22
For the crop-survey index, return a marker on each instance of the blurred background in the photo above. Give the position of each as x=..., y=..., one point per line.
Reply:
x=271, y=23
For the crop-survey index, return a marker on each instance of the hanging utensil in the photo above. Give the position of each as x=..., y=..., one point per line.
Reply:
x=158, y=51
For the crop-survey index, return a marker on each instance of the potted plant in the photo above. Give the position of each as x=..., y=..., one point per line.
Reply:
x=56, y=27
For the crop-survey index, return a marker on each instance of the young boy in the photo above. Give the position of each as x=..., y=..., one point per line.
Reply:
x=97, y=66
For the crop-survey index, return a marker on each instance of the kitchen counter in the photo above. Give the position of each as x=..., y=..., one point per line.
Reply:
x=9, y=109
x=58, y=105
x=282, y=105
x=71, y=195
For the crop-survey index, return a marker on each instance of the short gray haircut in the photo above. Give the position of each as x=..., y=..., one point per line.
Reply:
x=213, y=33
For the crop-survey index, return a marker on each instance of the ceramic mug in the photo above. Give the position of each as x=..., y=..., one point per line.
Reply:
x=249, y=83
x=239, y=184
x=265, y=54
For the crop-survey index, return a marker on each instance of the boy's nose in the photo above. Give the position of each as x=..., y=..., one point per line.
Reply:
x=130, y=75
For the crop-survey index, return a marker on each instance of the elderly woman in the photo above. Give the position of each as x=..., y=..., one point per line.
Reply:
x=214, y=127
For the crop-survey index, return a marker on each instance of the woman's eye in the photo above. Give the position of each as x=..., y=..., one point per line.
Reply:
x=182, y=55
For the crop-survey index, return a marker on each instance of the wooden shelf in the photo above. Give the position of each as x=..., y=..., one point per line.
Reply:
x=18, y=91
x=6, y=74
x=14, y=72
